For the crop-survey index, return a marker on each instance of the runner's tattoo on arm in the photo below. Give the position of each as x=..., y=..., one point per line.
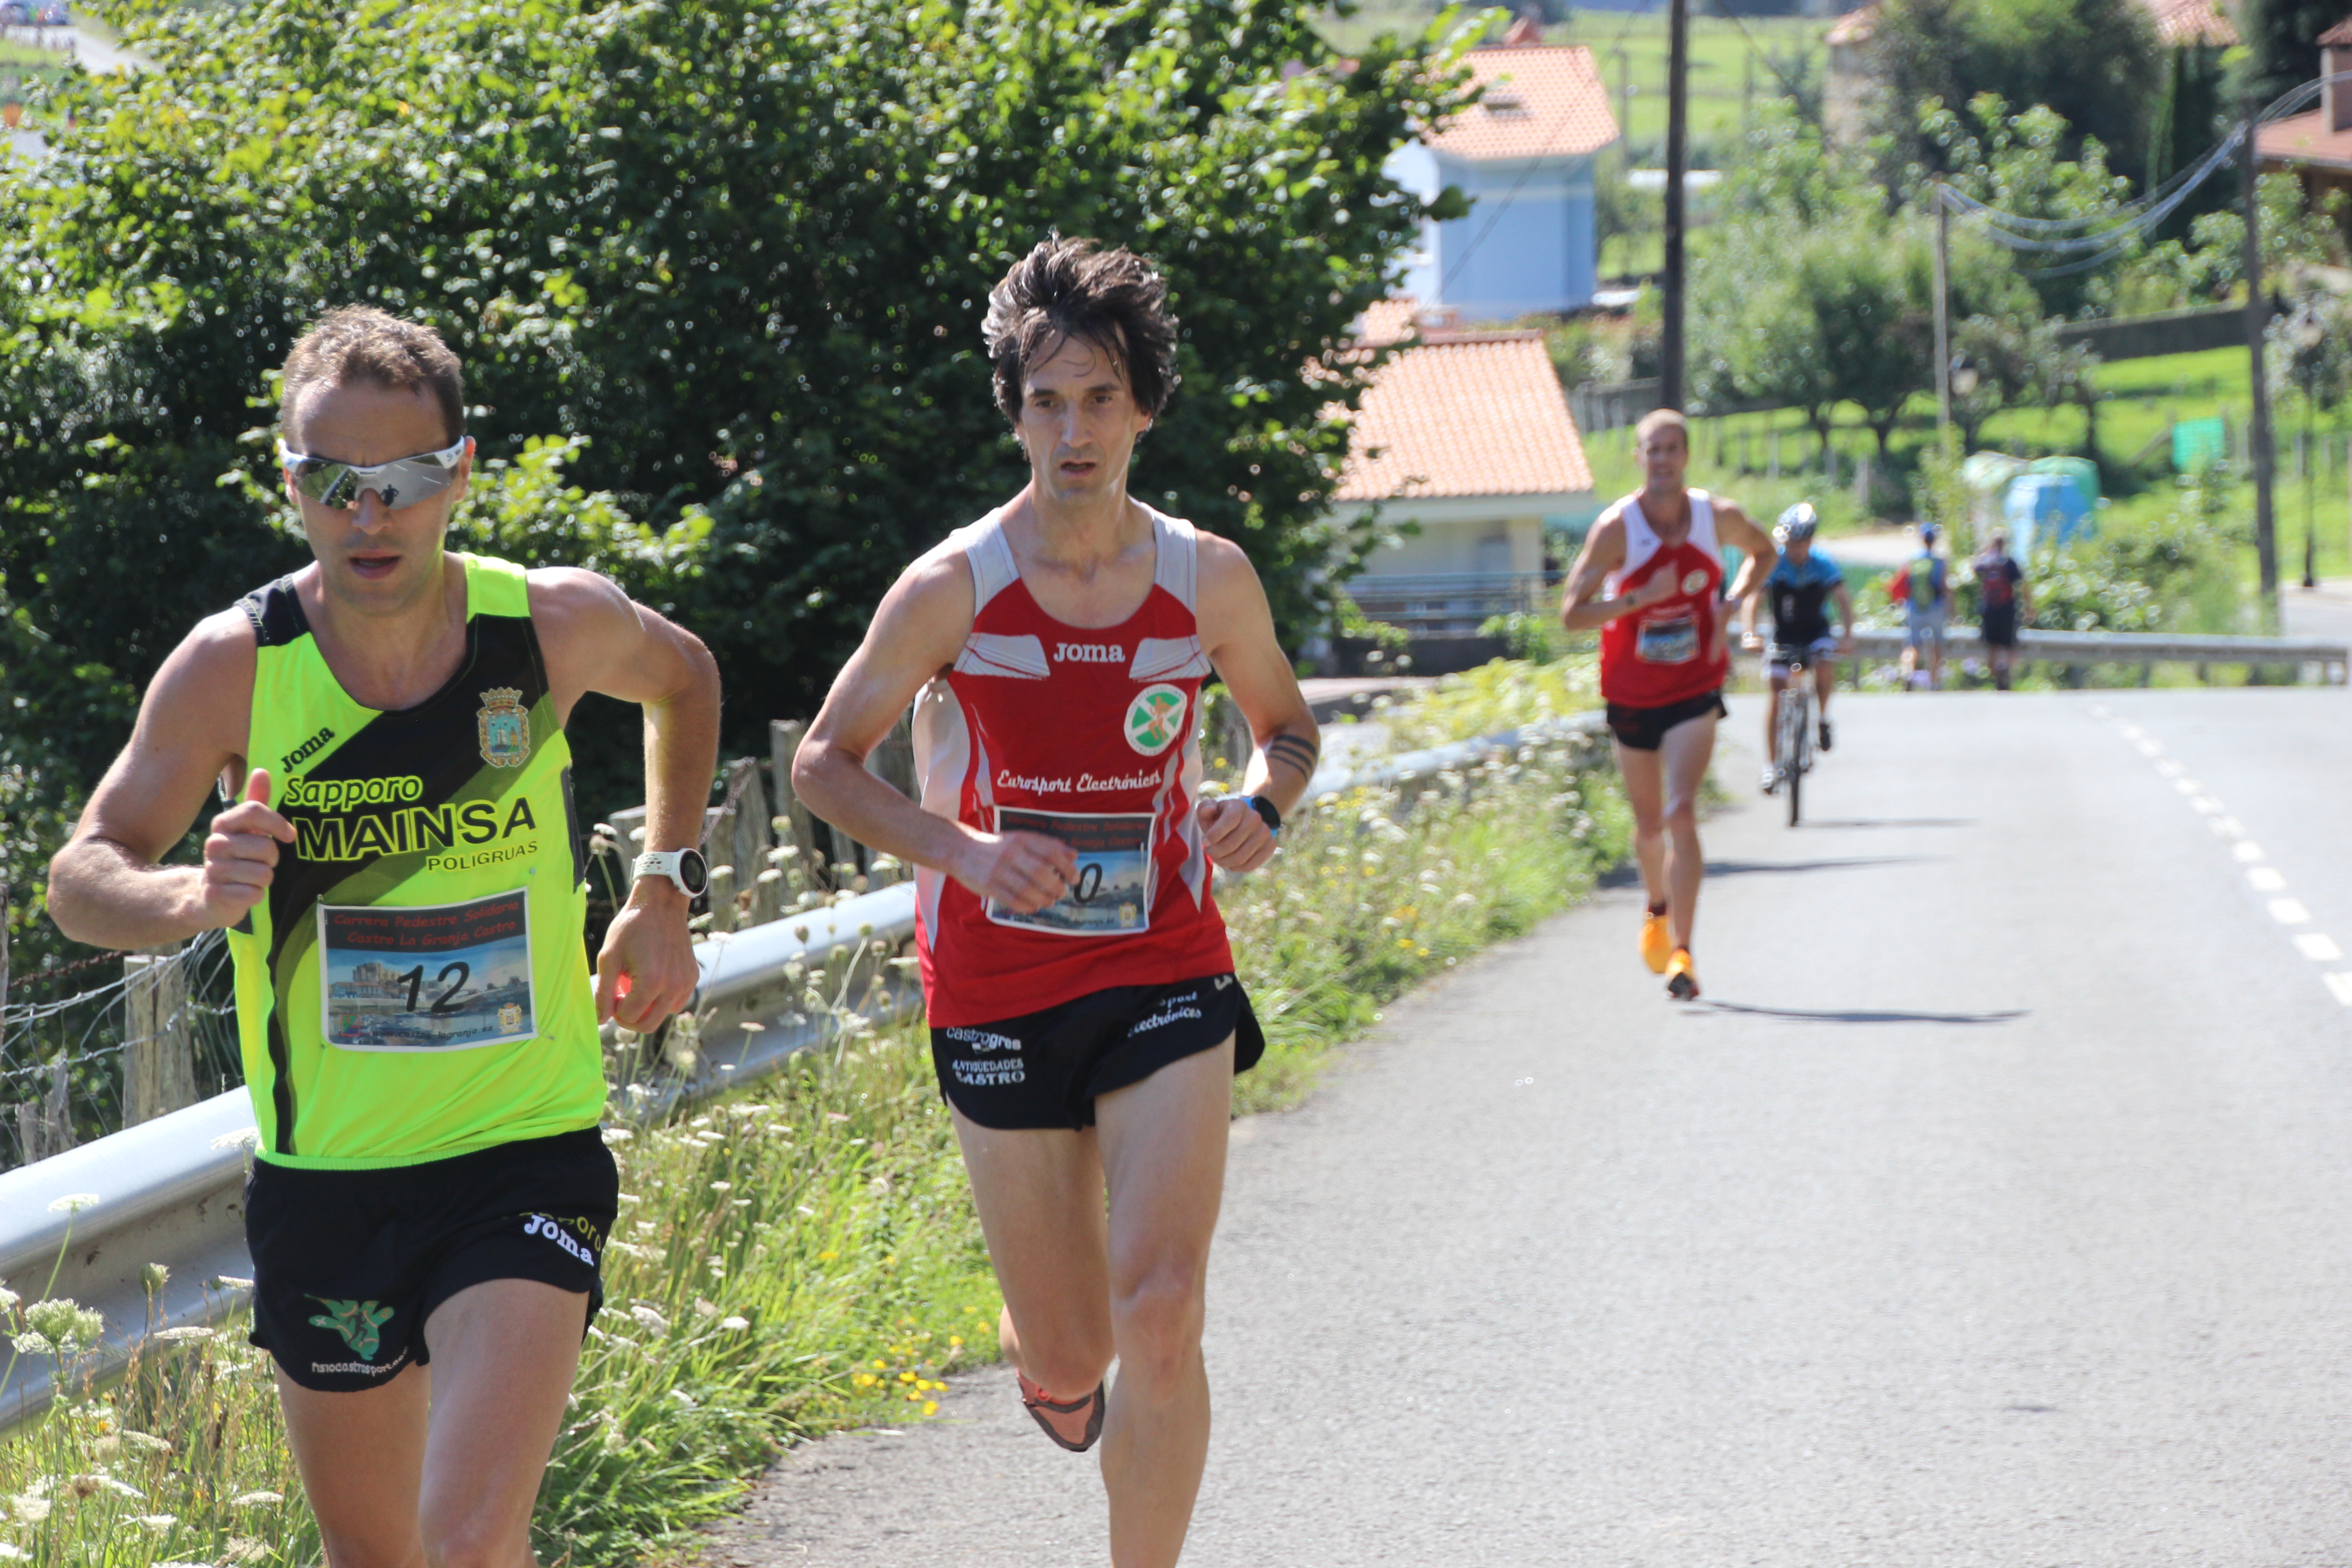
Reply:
x=1295, y=750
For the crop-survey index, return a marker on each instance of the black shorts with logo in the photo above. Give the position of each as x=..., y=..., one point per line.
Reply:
x=1046, y=1068
x=348, y=1265
x=1644, y=728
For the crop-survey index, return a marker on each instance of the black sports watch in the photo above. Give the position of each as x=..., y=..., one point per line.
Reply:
x=685, y=868
x=1267, y=811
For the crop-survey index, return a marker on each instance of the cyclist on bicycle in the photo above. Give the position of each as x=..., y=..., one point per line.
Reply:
x=1800, y=585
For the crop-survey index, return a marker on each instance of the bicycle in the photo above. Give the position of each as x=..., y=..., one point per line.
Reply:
x=1793, y=748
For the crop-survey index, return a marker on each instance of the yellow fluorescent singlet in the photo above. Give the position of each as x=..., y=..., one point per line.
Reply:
x=416, y=984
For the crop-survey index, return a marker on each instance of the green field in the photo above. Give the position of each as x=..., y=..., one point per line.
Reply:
x=1728, y=79
x=2144, y=398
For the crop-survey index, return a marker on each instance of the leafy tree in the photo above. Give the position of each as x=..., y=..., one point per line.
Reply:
x=2094, y=63
x=2281, y=45
x=2187, y=122
x=2018, y=162
x=743, y=249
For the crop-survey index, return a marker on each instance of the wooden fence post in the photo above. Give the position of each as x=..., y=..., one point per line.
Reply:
x=784, y=745
x=44, y=1126
x=159, y=1066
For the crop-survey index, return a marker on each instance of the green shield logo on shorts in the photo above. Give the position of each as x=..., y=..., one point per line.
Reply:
x=1155, y=719
x=358, y=1322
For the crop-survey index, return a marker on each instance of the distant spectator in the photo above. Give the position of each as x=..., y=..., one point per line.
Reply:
x=2007, y=601
x=1924, y=588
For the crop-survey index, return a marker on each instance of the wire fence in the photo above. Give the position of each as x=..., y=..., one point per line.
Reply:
x=92, y=1047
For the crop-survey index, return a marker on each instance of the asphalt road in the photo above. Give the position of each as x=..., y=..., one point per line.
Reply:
x=1991, y=1209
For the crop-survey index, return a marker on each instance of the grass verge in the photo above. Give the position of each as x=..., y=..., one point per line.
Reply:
x=802, y=1256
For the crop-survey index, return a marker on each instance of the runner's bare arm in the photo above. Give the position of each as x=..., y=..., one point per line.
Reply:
x=1733, y=527
x=1844, y=602
x=1581, y=608
x=917, y=634
x=595, y=639
x=106, y=886
x=1237, y=632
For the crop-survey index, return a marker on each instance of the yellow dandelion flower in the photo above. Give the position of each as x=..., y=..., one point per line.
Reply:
x=880, y=1365
x=827, y=1255
x=955, y=1341
x=930, y=1407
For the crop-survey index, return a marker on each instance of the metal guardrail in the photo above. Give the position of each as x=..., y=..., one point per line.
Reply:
x=86, y=1223
x=1451, y=602
x=2333, y=658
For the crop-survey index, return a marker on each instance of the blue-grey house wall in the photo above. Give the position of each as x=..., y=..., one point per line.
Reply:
x=1528, y=244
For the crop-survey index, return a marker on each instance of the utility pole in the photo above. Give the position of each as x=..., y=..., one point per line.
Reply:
x=2258, y=429
x=1670, y=335
x=1943, y=320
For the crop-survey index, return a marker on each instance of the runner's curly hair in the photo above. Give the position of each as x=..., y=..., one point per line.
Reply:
x=362, y=344
x=1068, y=289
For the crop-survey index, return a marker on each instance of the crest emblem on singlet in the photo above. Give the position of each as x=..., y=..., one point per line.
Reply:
x=1694, y=579
x=505, y=727
x=1155, y=719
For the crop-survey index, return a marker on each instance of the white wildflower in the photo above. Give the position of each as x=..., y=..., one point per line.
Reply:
x=256, y=1499
x=617, y=1135
x=158, y=1522
x=74, y=1203
x=735, y=1324
x=648, y=1317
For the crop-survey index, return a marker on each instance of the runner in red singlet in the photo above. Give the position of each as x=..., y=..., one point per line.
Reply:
x=1650, y=578
x=1085, y=1022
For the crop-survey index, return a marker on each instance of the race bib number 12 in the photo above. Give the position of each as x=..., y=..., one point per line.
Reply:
x=1112, y=896
x=431, y=978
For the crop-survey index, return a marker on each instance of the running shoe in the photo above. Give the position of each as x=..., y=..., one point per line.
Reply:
x=1681, y=977
x=1074, y=1425
x=1825, y=735
x=1657, y=940
x=1771, y=783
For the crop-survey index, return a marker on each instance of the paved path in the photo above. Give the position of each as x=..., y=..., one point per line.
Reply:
x=1993, y=1210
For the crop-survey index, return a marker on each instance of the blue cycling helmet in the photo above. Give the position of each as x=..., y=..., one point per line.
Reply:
x=1798, y=523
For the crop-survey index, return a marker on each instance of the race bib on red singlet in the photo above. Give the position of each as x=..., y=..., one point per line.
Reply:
x=1672, y=638
x=438, y=978
x=1112, y=895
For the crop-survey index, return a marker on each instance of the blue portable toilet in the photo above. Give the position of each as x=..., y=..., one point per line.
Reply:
x=2045, y=509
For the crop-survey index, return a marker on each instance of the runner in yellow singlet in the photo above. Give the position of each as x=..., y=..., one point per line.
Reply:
x=401, y=877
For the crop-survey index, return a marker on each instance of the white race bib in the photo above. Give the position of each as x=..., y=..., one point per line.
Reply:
x=1671, y=640
x=1112, y=896
x=438, y=977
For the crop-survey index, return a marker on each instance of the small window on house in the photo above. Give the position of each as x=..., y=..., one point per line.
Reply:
x=1505, y=103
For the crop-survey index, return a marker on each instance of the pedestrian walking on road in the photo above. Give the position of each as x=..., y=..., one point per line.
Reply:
x=2005, y=600
x=1924, y=588
x=1650, y=579
x=1086, y=1021
x=430, y=1183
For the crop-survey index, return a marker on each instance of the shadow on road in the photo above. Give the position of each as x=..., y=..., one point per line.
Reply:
x=1809, y=1015
x=1890, y=822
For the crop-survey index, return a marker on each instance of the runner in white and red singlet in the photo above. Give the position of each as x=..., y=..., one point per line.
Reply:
x=1086, y=1021
x=1650, y=578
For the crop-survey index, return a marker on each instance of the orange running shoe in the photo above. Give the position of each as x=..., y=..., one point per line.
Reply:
x=1074, y=1425
x=1657, y=942
x=1682, y=977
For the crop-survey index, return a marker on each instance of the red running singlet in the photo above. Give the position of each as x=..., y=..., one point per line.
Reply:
x=1673, y=651
x=1089, y=735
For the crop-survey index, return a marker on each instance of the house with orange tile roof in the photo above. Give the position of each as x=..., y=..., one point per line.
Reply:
x=1523, y=155
x=1466, y=434
x=2317, y=145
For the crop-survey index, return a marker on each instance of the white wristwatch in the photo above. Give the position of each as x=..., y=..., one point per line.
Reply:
x=685, y=868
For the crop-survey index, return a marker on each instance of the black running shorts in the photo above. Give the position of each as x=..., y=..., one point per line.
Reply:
x=1998, y=626
x=348, y=1265
x=1044, y=1068
x=1642, y=728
